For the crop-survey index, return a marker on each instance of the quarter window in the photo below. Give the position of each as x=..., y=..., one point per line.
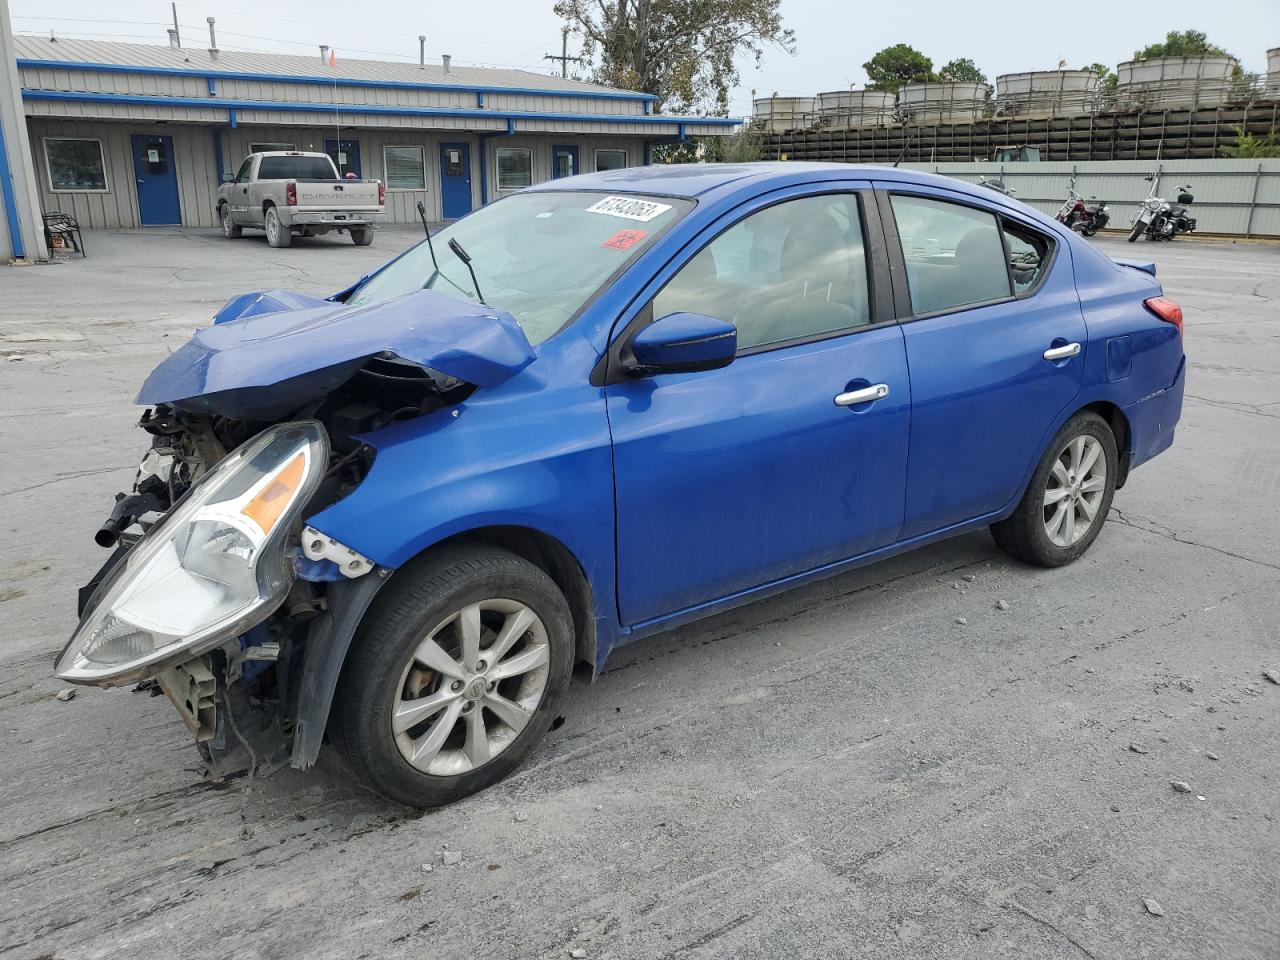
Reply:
x=1028, y=256
x=515, y=168
x=75, y=165
x=405, y=168
x=793, y=270
x=611, y=159
x=954, y=254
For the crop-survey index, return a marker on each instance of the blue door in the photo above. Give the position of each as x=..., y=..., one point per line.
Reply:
x=991, y=295
x=455, y=180
x=564, y=161
x=345, y=155
x=157, y=177
x=790, y=458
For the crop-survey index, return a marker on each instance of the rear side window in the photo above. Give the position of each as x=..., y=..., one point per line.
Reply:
x=1028, y=256
x=954, y=254
x=295, y=168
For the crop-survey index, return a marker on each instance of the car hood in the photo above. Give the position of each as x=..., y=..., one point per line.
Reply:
x=269, y=353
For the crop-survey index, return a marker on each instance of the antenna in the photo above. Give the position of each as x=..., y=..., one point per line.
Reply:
x=422, y=213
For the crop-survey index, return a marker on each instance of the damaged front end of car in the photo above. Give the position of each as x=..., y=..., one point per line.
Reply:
x=219, y=590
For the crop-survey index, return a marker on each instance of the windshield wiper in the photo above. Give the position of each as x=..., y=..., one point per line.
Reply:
x=465, y=257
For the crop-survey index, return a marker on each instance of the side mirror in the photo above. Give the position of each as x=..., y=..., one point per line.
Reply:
x=684, y=343
x=228, y=178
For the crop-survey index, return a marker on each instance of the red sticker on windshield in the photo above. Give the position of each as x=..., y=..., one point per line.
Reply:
x=625, y=239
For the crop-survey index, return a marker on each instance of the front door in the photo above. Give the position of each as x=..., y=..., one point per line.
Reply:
x=345, y=155
x=455, y=180
x=793, y=456
x=157, y=178
x=991, y=296
x=564, y=161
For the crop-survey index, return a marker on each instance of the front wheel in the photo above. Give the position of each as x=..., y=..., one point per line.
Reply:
x=454, y=675
x=1136, y=232
x=229, y=228
x=1089, y=230
x=362, y=237
x=278, y=235
x=1068, y=498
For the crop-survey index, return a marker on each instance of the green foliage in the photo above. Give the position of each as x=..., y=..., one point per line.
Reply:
x=1248, y=147
x=681, y=51
x=962, y=70
x=1181, y=43
x=894, y=66
x=1106, y=79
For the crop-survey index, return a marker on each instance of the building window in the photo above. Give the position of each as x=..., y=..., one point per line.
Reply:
x=75, y=165
x=611, y=159
x=405, y=168
x=515, y=168
x=270, y=147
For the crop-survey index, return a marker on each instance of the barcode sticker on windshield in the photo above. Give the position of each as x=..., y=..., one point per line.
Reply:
x=629, y=208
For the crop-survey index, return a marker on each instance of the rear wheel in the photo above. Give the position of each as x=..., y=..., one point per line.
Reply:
x=454, y=675
x=229, y=228
x=362, y=237
x=1089, y=230
x=1136, y=232
x=278, y=235
x=1068, y=498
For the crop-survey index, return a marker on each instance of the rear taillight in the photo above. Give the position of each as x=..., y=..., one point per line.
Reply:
x=1166, y=310
x=291, y=194
x=382, y=193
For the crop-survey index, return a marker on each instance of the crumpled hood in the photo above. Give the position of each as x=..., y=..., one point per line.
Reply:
x=269, y=353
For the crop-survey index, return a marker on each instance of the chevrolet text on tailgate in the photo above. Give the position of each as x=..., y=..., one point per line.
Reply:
x=394, y=519
x=290, y=192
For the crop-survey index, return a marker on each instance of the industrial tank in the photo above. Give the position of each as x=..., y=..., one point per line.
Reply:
x=946, y=102
x=1046, y=93
x=776, y=114
x=1174, y=83
x=855, y=108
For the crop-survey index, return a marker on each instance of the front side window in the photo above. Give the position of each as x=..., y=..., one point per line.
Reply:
x=405, y=168
x=611, y=159
x=793, y=270
x=515, y=168
x=75, y=165
x=954, y=254
x=539, y=256
x=243, y=173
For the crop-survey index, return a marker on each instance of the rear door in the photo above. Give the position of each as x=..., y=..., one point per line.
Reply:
x=793, y=456
x=995, y=342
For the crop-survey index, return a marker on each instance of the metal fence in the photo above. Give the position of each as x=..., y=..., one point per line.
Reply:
x=1236, y=197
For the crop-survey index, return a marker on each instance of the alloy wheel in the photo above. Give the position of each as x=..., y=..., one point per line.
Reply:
x=1075, y=490
x=471, y=685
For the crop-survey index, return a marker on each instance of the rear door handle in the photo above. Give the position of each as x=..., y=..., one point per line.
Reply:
x=877, y=391
x=1061, y=353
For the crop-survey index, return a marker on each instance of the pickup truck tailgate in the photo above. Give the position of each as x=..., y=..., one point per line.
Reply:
x=333, y=195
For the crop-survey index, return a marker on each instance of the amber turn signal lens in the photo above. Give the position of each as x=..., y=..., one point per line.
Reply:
x=266, y=507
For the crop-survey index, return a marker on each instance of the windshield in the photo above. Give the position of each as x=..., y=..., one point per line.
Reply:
x=539, y=256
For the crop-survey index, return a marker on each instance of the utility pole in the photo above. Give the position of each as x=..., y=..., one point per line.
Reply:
x=564, y=57
x=176, y=35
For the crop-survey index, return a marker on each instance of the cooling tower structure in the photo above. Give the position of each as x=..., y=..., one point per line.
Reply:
x=1046, y=93
x=1273, y=73
x=945, y=102
x=778, y=114
x=1175, y=83
x=843, y=109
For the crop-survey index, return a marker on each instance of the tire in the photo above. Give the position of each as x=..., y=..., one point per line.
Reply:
x=385, y=675
x=1136, y=232
x=362, y=237
x=1089, y=230
x=1028, y=533
x=278, y=235
x=229, y=228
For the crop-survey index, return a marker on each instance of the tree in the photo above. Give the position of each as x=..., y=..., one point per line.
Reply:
x=1249, y=147
x=962, y=70
x=681, y=51
x=1181, y=43
x=893, y=66
x=1106, y=80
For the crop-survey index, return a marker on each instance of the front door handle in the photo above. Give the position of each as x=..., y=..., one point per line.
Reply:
x=877, y=391
x=1061, y=353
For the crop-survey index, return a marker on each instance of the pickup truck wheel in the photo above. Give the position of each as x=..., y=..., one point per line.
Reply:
x=278, y=235
x=229, y=228
x=362, y=237
x=1068, y=498
x=454, y=675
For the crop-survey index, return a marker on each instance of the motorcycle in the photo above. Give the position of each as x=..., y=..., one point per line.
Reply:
x=1158, y=218
x=1087, y=216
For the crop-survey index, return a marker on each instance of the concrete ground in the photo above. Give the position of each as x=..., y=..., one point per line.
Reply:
x=843, y=771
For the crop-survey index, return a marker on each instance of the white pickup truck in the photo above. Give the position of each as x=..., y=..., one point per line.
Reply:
x=293, y=192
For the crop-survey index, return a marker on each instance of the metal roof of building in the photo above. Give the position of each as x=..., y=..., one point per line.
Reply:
x=278, y=64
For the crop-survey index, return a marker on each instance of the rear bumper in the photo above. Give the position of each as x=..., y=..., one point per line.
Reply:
x=1153, y=418
x=330, y=218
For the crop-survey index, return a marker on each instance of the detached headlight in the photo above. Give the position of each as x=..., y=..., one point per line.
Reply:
x=212, y=568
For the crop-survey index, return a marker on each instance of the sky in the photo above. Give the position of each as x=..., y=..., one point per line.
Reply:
x=833, y=39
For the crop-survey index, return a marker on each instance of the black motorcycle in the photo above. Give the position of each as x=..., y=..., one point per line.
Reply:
x=1087, y=216
x=1161, y=219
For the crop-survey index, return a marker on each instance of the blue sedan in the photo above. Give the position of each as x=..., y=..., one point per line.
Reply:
x=394, y=519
